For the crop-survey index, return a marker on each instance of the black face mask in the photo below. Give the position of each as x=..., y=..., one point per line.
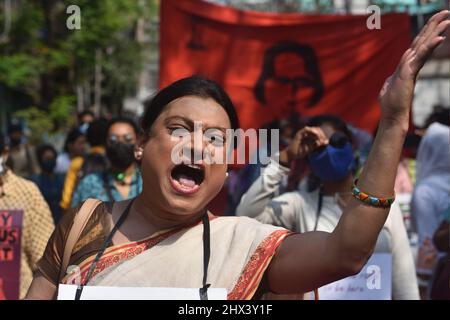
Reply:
x=48, y=165
x=120, y=154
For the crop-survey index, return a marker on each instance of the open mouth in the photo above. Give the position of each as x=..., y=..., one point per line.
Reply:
x=187, y=178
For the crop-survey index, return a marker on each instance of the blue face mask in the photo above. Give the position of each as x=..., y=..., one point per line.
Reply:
x=332, y=163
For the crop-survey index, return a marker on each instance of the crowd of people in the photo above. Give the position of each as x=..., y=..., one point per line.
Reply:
x=301, y=192
x=308, y=189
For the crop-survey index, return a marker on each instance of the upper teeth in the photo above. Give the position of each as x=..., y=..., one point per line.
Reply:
x=194, y=166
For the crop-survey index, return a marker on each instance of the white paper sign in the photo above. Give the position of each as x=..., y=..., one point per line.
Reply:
x=67, y=292
x=374, y=282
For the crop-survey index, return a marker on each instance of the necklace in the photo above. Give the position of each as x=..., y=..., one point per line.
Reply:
x=120, y=178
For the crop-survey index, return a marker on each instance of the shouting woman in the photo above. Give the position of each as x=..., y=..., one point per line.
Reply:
x=165, y=237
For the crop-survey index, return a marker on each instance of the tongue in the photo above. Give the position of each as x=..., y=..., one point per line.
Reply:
x=186, y=181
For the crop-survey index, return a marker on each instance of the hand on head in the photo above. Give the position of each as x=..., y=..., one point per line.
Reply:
x=306, y=141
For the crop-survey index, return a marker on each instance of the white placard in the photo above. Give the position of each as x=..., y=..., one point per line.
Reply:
x=67, y=292
x=374, y=282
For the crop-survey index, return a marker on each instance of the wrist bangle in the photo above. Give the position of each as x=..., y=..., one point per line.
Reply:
x=371, y=200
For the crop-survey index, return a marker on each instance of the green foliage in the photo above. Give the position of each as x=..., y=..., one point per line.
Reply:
x=19, y=70
x=46, y=61
x=107, y=25
x=38, y=121
x=62, y=110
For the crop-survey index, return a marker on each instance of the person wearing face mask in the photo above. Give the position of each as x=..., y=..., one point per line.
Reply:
x=49, y=182
x=122, y=179
x=17, y=193
x=22, y=159
x=326, y=144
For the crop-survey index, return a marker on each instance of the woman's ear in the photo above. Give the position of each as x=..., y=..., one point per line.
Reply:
x=139, y=149
x=138, y=153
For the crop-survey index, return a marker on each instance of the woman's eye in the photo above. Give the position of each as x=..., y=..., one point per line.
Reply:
x=178, y=132
x=215, y=139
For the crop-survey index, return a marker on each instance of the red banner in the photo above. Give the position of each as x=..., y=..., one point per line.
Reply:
x=275, y=64
x=10, y=253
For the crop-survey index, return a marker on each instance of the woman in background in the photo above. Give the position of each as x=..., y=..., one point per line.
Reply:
x=122, y=180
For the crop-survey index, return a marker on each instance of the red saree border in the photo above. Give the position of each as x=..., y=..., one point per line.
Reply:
x=116, y=254
x=250, y=278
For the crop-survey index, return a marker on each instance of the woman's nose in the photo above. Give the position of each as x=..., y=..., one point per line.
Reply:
x=197, y=146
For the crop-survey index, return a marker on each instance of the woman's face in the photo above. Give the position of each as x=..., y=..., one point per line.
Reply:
x=78, y=147
x=185, y=188
x=121, y=132
x=48, y=155
x=285, y=91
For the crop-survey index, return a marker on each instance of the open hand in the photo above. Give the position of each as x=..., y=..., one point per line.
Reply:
x=398, y=90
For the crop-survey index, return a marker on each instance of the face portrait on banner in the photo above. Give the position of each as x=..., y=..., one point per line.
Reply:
x=290, y=79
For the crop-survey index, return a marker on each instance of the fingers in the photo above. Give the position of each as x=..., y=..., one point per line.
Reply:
x=429, y=26
x=312, y=139
x=307, y=140
x=440, y=28
x=314, y=134
x=425, y=51
x=428, y=39
x=429, y=30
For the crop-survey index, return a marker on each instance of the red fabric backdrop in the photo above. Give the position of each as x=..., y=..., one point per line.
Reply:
x=275, y=64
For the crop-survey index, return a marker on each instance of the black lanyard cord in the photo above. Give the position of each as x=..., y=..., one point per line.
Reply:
x=206, y=256
x=206, y=253
x=319, y=208
x=103, y=248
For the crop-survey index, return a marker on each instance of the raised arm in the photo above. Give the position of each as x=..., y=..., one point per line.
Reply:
x=307, y=261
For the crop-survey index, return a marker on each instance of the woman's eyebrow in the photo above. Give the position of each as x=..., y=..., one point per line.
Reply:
x=183, y=119
x=191, y=123
x=224, y=130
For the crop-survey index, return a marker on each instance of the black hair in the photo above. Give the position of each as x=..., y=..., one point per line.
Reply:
x=125, y=120
x=190, y=86
x=305, y=52
x=412, y=141
x=440, y=115
x=72, y=136
x=15, y=127
x=337, y=123
x=44, y=148
x=85, y=113
x=96, y=134
x=2, y=143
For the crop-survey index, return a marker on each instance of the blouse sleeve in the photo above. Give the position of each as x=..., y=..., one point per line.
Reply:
x=50, y=263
